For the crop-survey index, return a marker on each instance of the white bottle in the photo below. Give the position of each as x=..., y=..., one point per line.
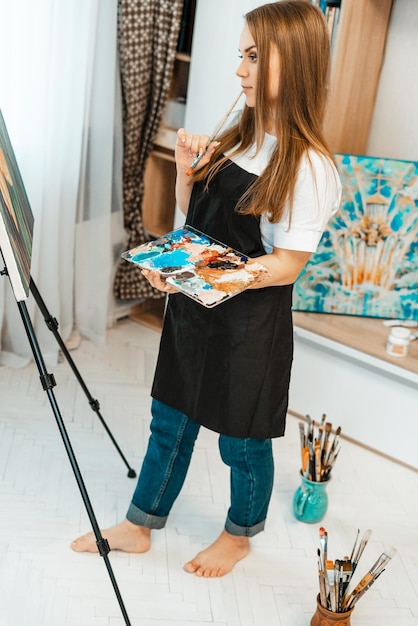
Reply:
x=398, y=341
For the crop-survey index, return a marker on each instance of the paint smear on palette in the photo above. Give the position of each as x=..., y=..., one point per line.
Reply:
x=197, y=265
x=159, y=260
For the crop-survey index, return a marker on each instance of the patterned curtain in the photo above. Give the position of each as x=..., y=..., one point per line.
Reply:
x=148, y=31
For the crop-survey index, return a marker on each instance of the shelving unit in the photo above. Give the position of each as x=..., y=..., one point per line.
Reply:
x=159, y=198
x=159, y=179
x=357, y=61
x=159, y=203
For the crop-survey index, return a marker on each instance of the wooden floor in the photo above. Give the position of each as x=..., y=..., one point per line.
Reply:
x=44, y=583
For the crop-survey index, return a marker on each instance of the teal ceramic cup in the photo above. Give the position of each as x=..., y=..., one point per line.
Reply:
x=310, y=501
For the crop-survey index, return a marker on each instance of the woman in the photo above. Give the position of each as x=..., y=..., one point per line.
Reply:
x=266, y=188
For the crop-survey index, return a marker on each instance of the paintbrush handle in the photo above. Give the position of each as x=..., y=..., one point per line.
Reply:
x=360, y=549
x=322, y=590
x=355, y=544
x=318, y=465
x=363, y=591
x=362, y=585
x=382, y=561
x=225, y=117
x=196, y=160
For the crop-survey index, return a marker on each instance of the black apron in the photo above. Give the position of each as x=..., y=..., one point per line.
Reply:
x=228, y=368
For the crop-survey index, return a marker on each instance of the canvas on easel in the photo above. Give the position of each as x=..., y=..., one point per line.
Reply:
x=16, y=219
x=16, y=235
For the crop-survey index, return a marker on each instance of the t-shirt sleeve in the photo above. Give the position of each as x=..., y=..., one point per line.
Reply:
x=316, y=199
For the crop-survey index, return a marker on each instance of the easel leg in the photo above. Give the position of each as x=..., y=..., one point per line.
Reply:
x=48, y=382
x=52, y=324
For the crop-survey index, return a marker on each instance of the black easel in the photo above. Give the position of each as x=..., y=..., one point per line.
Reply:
x=48, y=382
x=52, y=324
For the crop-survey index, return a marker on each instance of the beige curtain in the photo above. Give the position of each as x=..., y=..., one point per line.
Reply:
x=148, y=31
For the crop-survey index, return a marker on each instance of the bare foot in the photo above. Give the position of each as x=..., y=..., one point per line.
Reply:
x=220, y=557
x=125, y=536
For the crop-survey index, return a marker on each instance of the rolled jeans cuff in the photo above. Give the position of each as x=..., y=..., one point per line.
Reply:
x=243, y=531
x=140, y=518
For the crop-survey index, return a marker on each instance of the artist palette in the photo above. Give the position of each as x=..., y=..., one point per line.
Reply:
x=200, y=267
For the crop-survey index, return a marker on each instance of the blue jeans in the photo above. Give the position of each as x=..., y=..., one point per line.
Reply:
x=165, y=466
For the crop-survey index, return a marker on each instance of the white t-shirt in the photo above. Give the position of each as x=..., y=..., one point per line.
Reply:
x=316, y=199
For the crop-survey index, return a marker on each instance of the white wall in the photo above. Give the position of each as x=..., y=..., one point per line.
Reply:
x=213, y=85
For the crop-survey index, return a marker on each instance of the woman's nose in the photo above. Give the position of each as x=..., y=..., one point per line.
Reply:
x=241, y=71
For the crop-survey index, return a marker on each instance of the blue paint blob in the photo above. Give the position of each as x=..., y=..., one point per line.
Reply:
x=174, y=258
x=143, y=256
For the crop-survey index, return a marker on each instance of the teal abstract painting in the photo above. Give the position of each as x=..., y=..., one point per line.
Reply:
x=367, y=261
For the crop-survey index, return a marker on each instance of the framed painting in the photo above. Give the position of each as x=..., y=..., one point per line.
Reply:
x=367, y=261
x=16, y=219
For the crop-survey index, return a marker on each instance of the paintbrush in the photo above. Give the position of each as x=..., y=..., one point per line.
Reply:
x=311, y=458
x=321, y=428
x=327, y=431
x=330, y=578
x=346, y=573
x=322, y=583
x=333, y=446
x=355, y=544
x=302, y=435
x=303, y=448
x=341, y=572
x=330, y=464
x=369, y=578
x=323, y=542
x=357, y=597
x=318, y=464
x=378, y=567
x=214, y=135
x=360, y=549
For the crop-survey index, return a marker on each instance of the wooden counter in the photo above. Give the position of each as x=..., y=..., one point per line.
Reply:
x=368, y=335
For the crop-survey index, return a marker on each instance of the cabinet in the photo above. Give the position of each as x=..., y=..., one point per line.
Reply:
x=159, y=203
x=342, y=370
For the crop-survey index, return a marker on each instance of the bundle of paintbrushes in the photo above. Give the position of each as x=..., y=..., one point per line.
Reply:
x=337, y=592
x=319, y=448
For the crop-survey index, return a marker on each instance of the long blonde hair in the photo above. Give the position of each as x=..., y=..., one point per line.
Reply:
x=298, y=30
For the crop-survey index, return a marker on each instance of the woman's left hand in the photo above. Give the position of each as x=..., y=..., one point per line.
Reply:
x=156, y=280
x=189, y=146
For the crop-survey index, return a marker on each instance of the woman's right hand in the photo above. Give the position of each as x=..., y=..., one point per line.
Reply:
x=189, y=146
x=156, y=280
